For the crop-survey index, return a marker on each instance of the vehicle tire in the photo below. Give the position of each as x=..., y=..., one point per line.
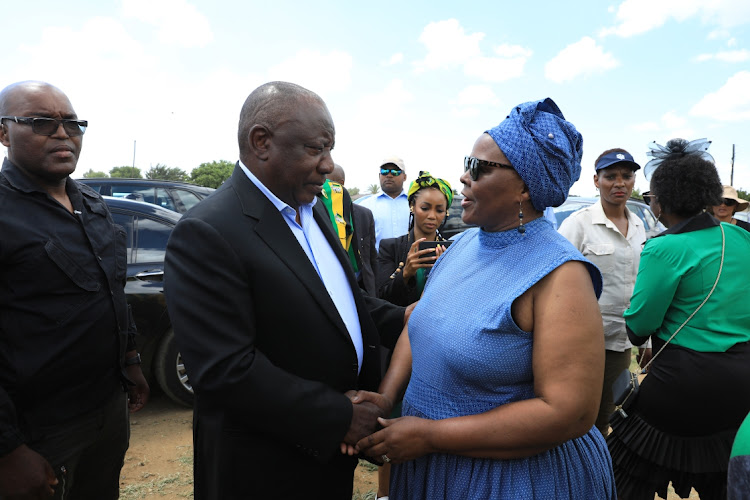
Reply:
x=170, y=372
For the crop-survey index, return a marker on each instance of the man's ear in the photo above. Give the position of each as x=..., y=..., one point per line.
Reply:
x=4, y=140
x=259, y=140
x=596, y=181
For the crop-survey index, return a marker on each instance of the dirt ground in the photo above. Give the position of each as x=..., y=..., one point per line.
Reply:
x=159, y=463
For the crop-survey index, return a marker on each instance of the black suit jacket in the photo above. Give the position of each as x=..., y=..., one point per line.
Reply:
x=364, y=230
x=267, y=352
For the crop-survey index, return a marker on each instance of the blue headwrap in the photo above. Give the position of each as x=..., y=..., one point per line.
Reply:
x=544, y=148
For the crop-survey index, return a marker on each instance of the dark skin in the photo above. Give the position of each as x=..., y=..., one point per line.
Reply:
x=47, y=161
x=293, y=160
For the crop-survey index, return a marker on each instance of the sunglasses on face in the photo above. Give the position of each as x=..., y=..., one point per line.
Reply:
x=474, y=164
x=48, y=126
x=648, y=197
x=393, y=171
x=729, y=202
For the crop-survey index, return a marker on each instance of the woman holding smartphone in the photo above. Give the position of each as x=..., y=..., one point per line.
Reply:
x=402, y=266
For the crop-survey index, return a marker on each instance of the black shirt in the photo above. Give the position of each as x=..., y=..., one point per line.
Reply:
x=64, y=323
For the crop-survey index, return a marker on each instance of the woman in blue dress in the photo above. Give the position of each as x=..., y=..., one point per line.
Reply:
x=503, y=355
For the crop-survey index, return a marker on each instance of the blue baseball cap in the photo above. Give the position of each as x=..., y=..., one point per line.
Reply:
x=617, y=157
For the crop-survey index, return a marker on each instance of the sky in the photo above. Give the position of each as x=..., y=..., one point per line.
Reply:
x=163, y=81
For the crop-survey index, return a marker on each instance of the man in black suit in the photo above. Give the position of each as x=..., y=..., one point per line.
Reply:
x=269, y=318
x=364, y=230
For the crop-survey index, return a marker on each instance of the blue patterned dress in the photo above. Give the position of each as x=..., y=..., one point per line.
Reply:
x=470, y=357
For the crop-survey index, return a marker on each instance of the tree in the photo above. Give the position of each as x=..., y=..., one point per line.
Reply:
x=745, y=195
x=373, y=189
x=636, y=194
x=165, y=173
x=353, y=191
x=212, y=174
x=91, y=174
x=126, y=172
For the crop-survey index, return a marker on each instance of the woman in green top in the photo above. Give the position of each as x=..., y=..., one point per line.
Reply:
x=697, y=392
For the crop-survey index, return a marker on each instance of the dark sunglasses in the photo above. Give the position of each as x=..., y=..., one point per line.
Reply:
x=48, y=126
x=474, y=164
x=393, y=171
x=647, y=197
x=729, y=202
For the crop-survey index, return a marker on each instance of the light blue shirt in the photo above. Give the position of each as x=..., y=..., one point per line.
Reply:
x=322, y=257
x=391, y=215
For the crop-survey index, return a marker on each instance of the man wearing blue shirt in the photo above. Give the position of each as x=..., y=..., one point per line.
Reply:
x=390, y=207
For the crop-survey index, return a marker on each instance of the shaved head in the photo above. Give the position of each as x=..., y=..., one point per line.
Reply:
x=338, y=174
x=13, y=91
x=269, y=106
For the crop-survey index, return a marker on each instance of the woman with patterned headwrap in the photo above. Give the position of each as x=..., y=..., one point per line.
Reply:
x=680, y=427
x=402, y=267
x=504, y=353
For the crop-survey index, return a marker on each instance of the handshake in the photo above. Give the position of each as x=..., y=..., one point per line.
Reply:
x=368, y=410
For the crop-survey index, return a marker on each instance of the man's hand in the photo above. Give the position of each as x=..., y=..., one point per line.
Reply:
x=24, y=474
x=366, y=408
x=138, y=393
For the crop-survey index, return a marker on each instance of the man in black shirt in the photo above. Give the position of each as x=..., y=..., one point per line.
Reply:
x=66, y=334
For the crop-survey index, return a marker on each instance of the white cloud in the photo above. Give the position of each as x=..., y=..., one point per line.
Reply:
x=584, y=57
x=385, y=106
x=729, y=56
x=646, y=127
x=635, y=17
x=731, y=103
x=178, y=22
x=397, y=58
x=477, y=94
x=671, y=120
x=321, y=73
x=448, y=46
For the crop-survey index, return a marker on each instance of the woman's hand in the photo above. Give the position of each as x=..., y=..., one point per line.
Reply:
x=417, y=259
x=401, y=439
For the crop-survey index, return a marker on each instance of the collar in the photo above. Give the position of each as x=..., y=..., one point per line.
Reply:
x=703, y=220
x=599, y=217
x=403, y=193
x=277, y=202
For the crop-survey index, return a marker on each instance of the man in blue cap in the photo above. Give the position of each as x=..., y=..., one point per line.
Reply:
x=611, y=236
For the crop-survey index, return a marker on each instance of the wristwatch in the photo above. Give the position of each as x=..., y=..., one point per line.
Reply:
x=135, y=360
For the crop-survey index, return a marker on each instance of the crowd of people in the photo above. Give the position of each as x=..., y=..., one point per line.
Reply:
x=318, y=330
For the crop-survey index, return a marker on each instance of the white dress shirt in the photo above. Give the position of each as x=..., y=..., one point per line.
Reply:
x=391, y=215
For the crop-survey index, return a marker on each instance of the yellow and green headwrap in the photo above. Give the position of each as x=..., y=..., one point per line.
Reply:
x=425, y=180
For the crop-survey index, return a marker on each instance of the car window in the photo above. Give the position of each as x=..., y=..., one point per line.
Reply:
x=563, y=211
x=151, y=240
x=163, y=199
x=188, y=199
x=133, y=192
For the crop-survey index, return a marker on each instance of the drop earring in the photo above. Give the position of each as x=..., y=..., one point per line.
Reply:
x=521, y=229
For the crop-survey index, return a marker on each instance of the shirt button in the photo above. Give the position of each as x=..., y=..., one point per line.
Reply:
x=98, y=257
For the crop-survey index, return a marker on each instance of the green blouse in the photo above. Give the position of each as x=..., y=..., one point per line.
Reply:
x=676, y=273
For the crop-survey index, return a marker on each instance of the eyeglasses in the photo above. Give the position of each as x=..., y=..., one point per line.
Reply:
x=729, y=202
x=393, y=171
x=648, y=197
x=474, y=164
x=48, y=126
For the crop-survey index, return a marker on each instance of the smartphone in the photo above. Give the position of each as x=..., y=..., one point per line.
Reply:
x=432, y=244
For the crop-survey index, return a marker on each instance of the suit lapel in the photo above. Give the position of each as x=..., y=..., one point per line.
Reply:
x=271, y=227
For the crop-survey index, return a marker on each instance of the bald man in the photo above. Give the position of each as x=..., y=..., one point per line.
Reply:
x=269, y=318
x=67, y=347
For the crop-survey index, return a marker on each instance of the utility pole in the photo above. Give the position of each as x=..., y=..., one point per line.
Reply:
x=132, y=173
x=731, y=175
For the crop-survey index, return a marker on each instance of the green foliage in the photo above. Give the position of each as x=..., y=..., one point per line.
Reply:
x=212, y=174
x=91, y=174
x=353, y=191
x=745, y=195
x=373, y=189
x=637, y=194
x=126, y=172
x=165, y=173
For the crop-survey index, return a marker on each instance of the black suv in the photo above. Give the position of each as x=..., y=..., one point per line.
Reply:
x=176, y=196
x=148, y=228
